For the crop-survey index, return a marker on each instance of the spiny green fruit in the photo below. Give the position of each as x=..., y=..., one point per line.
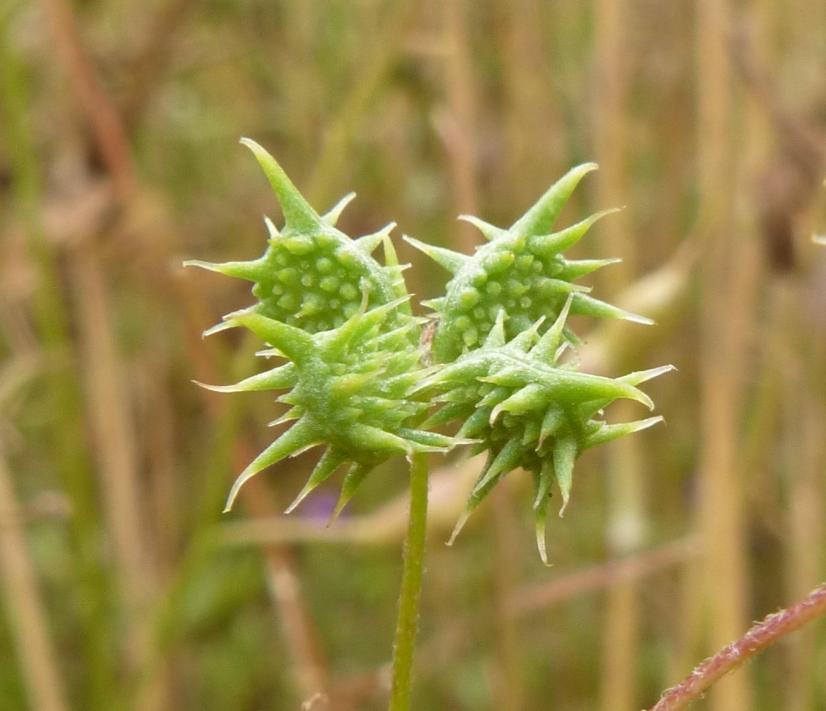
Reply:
x=520, y=270
x=343, y=322
x=312, y=275
x=529, y=410
x=353, y=373
x=347, y=389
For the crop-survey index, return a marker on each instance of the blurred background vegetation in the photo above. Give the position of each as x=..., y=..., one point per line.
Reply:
x=122, y=585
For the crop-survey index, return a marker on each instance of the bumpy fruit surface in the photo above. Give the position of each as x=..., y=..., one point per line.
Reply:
x=529, y=410
x=353, y=372
x=348, y=389
x=501, y=333
x=520, y=270
x=343, y=323
x=312, y=275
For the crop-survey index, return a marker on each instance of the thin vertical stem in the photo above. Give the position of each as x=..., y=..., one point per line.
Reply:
x=457, y=125
x=627, y=524
x=408, y=619
x=802, y=462
x=25, y=603
x=84, y=79
x=307, y=664
x=51, y=317
x=726, y=320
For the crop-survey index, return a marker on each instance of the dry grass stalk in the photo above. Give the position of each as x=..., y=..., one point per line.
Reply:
x=27, y=617
x=107, y=402
x=722, y=583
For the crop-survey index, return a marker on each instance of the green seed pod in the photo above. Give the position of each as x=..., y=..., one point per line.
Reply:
x=353, y=373
x=527, y=409
x=520, y=270
x=312, y=275
x=348, y=389
x=343, y=322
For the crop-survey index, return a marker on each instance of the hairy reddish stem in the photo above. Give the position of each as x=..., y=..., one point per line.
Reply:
x=762, y=635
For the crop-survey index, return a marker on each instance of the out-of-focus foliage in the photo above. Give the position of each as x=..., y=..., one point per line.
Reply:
x=119, y=158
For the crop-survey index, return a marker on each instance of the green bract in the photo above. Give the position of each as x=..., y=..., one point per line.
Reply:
x=354, y=372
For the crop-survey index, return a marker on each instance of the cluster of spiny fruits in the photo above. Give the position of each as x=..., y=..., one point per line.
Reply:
x=360, y=382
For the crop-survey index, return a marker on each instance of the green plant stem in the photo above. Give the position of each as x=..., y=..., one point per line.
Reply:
x=408, y=620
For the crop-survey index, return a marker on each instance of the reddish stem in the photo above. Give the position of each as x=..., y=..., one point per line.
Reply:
x=762, y=635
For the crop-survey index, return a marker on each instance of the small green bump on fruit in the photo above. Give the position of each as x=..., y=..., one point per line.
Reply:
x=307, y=280
x=463, y=323
x=326, y=240
x=348, y=292
x=299, y=245
x=324, y=265
x=498, y=262
x=545, y=286
x=493, y=288
x=553, y=267
x=524, y=262
x=469, y=297
x=288, y=302
x=346, y=258
x=311, y=304
x=479, y=279
x=516, y=288
x=289, y=275
x=329, y=284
